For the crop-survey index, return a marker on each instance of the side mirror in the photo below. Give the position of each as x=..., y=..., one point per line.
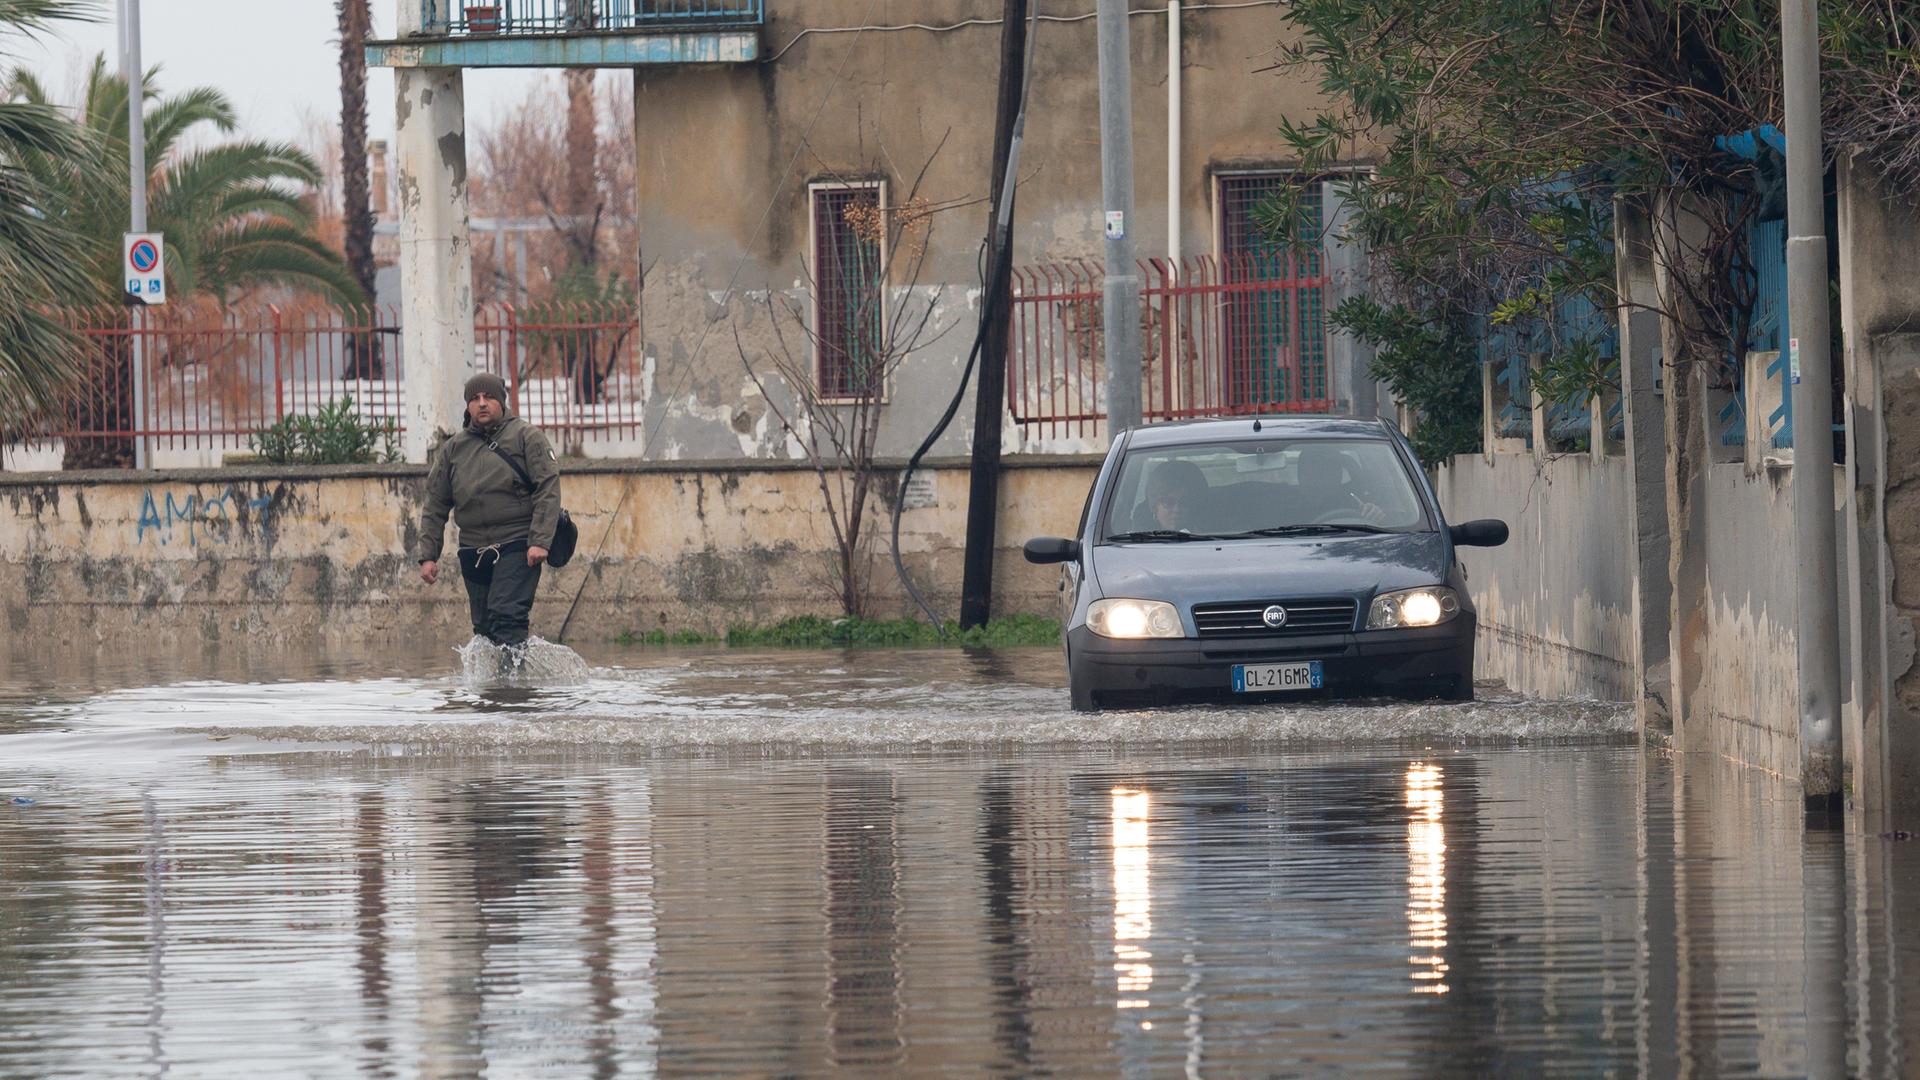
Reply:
x=1487, y=532
x=1051, y=549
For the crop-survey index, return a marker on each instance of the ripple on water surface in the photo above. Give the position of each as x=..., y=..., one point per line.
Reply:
x=877, y=698
x=216, y=877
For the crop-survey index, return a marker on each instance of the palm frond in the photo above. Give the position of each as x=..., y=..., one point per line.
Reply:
x=174, y=116
x=35, y=16
x=278, y=253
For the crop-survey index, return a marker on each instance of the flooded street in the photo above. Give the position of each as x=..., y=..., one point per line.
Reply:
x=893, y=862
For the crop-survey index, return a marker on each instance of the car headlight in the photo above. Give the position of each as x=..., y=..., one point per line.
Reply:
x=1413, y=607
x=1134, y=619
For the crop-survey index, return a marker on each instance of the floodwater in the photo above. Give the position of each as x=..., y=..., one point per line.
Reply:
x=247, y=863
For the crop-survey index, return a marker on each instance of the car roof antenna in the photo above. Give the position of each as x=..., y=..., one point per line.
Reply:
x=1256, y=425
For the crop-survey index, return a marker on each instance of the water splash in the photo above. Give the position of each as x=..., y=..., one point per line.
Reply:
x=536, y=662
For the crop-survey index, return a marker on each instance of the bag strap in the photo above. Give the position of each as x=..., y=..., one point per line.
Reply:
x=514, y=465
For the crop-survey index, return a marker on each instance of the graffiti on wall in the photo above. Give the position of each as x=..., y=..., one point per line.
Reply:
x=200, y=515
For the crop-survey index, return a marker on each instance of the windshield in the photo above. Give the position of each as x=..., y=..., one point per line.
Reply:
x=1272, y=488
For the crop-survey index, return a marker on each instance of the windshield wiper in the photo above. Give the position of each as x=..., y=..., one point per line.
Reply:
x=1317, y=530
x=1161, y=536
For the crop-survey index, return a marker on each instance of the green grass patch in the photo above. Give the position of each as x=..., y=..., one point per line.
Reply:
x=662, y=637
x=813, y=632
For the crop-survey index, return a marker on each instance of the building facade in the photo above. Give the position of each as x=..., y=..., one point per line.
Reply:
x=812, y=197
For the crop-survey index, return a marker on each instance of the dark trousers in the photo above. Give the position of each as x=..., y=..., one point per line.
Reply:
x=500, y=588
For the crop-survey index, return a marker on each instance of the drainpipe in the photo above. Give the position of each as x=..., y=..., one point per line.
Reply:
x=1173, y=133
x=1817, y=642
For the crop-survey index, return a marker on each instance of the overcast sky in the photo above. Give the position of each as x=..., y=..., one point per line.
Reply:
x=278, y=60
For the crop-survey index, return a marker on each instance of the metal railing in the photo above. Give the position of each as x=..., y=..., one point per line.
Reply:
x=213, y=379
x=572, y=369
x=1218, y=337
x=584, y=16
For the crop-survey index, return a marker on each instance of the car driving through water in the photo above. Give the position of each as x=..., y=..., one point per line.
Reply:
x=1271, y=556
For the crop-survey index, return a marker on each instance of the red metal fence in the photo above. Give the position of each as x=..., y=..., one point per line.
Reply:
x=572, y=369
x=1244, y=336
x=214, y=378
x=1239, y=336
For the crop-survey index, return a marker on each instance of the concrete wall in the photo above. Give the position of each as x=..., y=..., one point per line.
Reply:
x=1746, y=707
x=1880, y=320
x=1555, y=603
x=726, y=153
x=321, y=553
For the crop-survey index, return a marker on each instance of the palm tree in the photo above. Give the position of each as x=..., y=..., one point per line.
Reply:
x=233, y=214
x=364, y=358
x=41, y=259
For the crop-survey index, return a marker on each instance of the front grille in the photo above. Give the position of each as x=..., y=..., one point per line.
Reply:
x=1242, y=618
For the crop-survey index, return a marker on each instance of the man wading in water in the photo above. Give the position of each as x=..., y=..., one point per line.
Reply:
x=505, y=528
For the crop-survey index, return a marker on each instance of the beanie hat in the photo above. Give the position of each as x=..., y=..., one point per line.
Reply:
x=485, y=383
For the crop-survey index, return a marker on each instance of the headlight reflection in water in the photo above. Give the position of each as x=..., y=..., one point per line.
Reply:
x=1426, y=879
x=1132, y=897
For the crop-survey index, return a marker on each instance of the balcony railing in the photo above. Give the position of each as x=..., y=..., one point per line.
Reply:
x=490, y=17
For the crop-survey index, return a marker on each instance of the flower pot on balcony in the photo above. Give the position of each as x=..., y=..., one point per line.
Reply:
x=483, y=18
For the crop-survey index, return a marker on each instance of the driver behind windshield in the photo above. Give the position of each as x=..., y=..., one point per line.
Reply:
x=1173, y=490
x=1324, y=489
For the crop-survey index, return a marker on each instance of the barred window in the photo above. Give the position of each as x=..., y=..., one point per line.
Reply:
x=848, y=293
x=1276, y=337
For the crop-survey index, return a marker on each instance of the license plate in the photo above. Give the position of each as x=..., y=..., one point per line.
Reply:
x=1261, y=678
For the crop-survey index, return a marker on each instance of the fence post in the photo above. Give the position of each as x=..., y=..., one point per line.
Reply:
x=508, y=351
x=1162, y=284
x=1538, y=408
x=1489, y=411
x=1295, y=375
x=279, y=375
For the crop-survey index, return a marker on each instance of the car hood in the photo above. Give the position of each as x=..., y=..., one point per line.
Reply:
x=1199, y=572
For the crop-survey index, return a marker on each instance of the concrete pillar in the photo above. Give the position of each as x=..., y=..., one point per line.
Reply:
x=1645, y=446
x=1601, y=441
x=436, y=252
x=1646, y=456
x=1879, y=310
x=1764, y=396
x=1349, y=360
x=1677, y=237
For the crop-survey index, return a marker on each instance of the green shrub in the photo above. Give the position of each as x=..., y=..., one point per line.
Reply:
x=335, y=435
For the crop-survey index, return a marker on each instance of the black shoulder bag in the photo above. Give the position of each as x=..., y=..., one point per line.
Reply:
x=566, y=535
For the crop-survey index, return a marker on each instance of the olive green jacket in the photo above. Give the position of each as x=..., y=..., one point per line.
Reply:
x=487, y=500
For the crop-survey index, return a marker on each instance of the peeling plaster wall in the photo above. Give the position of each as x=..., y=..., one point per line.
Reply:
x=1555, y=603
x=1746, y=707
x=1880, y=320
x=725, y=154
x=1896, y=356
x=320, y=554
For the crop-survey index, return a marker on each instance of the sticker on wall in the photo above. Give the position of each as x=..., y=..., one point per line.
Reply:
x=919, y=494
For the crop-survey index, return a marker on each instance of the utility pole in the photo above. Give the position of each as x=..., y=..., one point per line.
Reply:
x=1121, y=294
x=1809, y=365
x=983, y=491
x=137, y=218
x=1174, y=93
